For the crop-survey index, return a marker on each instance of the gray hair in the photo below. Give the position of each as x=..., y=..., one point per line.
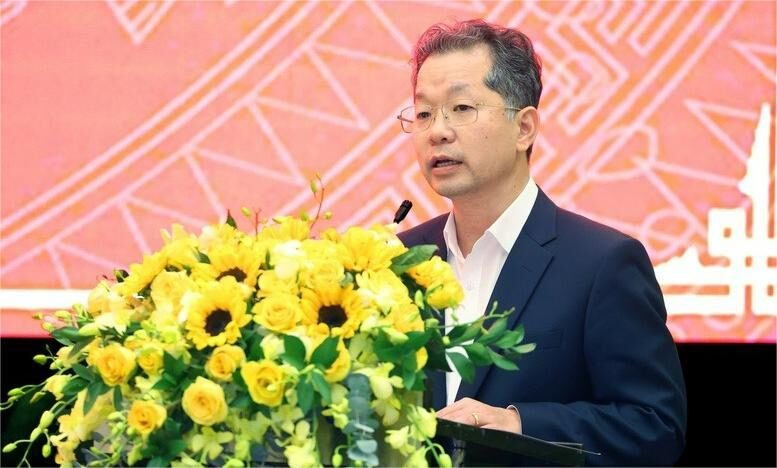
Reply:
x=516, y=71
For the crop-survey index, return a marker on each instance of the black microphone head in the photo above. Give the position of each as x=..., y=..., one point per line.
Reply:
x=402, y=211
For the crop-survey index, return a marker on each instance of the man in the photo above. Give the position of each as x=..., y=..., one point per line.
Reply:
x=605, y=371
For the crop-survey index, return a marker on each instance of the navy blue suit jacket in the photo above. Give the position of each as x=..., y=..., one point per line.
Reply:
x=605, y=371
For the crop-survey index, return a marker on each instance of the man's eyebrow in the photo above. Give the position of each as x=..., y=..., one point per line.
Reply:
x=454, y=89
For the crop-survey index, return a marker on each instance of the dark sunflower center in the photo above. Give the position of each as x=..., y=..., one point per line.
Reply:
x=217, y=321
x=333, y=316
x=236, y=273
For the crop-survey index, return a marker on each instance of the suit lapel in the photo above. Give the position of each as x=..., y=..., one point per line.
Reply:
x=439, y=392
x=522, y=271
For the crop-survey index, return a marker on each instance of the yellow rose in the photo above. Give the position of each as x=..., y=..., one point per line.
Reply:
x=342, y=365
x=203, y=401
x=265, y=381
x=278, y=312
x=145, y=416
x=151, y=360
x=114, y=362
x=224, y=361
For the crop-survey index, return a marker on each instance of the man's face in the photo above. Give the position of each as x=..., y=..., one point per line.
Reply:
x=477, y=161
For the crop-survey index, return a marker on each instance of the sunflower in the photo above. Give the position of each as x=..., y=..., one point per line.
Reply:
x=215, y=317
x=239, y=261
x=333, y=309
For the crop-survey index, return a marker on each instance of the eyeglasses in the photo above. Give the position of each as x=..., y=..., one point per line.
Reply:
x=457, y=113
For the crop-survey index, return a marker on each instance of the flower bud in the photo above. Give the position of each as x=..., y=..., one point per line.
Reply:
x=246, y=211
x=445, y=461
x=446, y=340
x=46, y=451
x=37, y=396
x=62, y=314
x=34, y=434
x=115, y=416
x=15, y=392
x=46, y=419
x=90, y=329
x=337, y=459
x=40, y=358
x=47, y=326
x=9, y=447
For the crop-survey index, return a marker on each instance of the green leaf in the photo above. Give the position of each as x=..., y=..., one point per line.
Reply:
x=525, y=348
x=69, y=335
x=347, y=279
x=494, y=332
x=409, y=370
x=74, y=386
x=463, y=333
x=322, y=387
x=463, y=365
x=167, y=382
x=201, y=257
x=174, y=367
x=326, y=353
x=414, y=256
x=231, y=220
x=120, y=274
x=94, y=390
x=502, y=362
x=436, y=351
x=84, y=372
x=117, y=398
x=510, y=339
x=255, y=351
x=242, y=401
x=294, y=351
x=305, y=395
x=478, y=354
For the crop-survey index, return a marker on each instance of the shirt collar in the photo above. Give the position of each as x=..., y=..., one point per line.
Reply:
x=507, y=226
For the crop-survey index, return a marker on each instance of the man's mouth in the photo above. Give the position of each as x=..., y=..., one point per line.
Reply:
x=442, y=161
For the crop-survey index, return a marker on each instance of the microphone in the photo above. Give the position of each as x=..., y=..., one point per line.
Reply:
x=402, y=211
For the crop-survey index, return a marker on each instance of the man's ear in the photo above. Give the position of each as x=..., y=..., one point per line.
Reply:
x=528, y=120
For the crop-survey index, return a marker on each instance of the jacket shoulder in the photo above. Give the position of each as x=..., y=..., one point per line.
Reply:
x=424, y=232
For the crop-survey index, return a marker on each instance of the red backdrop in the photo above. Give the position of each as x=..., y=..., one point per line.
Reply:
x=120, y=117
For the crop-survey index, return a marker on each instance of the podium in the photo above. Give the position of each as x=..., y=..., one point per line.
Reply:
x=475, y=446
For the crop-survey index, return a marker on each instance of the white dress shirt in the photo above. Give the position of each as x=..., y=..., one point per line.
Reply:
x=479, y=271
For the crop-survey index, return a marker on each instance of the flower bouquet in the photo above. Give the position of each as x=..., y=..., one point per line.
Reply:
x=238, y=349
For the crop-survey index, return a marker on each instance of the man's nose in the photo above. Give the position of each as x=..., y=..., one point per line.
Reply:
x=440, y=131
